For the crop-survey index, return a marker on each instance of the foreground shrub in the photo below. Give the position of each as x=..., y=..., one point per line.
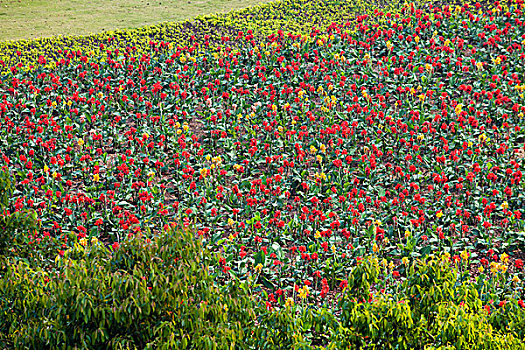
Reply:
x=431, y=308
x=11, y=223
x=144, y=294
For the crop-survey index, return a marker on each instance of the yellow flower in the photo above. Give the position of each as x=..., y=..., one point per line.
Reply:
x=96, y=177
x=231, y=222
x=416, y=39
x=464, y=255
x=482, y=137
x=404, y=260
x=80, y=142
x=504, y=258
x=515, y=279
x=407, y=234
x=439, y=214
x=505, y=205
x=375, y=248
x=303, y=292
x=94, y=240
x=323, y=148
x=289, y=302
x=46, y=169
x=319, y=158
x=258, y=268
x=83, y=242
x=479, y=65
x=317, y=235
x=481, y=269
x=458, y=109
x=55, y=175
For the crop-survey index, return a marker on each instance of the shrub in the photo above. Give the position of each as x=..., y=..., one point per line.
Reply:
x=144, y=294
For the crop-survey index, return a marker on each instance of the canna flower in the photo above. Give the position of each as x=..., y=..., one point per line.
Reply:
x=404, y=260
x=464, y=255
x=479, y=66
x=289, y=302
x=46, y=169
x=303, y=292
x=439, y=214
x=96, y=177
x=80, y=142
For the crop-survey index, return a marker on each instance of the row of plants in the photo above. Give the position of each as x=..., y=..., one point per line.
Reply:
x=298, y=16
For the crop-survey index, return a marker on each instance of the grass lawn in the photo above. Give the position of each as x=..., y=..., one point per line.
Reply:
x=29, y=19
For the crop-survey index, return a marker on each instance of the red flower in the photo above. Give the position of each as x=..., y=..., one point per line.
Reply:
x=395, y=274
x=115, y=245
x=518, y=263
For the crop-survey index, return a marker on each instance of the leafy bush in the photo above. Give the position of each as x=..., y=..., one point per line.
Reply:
x=11, y=223
x=143, y=294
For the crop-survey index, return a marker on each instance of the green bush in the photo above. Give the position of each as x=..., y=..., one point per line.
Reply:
x=143, y=294
x=15, y=222
x=430, y=309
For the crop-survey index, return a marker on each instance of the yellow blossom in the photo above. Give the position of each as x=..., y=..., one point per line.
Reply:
x=404, y=260
x=375, y=248
x=464, y=255
x=303, y=292
x=258, y=268
x=96, y=177
x=80, y=142
x=46, y=169
x=439, y=214
x=289, y=302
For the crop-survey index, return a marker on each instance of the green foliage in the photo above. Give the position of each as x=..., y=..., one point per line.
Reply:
x=11, y=223
x=143, y=295
x=430, y=310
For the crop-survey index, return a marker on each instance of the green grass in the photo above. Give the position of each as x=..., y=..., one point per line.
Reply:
x=29, y=19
